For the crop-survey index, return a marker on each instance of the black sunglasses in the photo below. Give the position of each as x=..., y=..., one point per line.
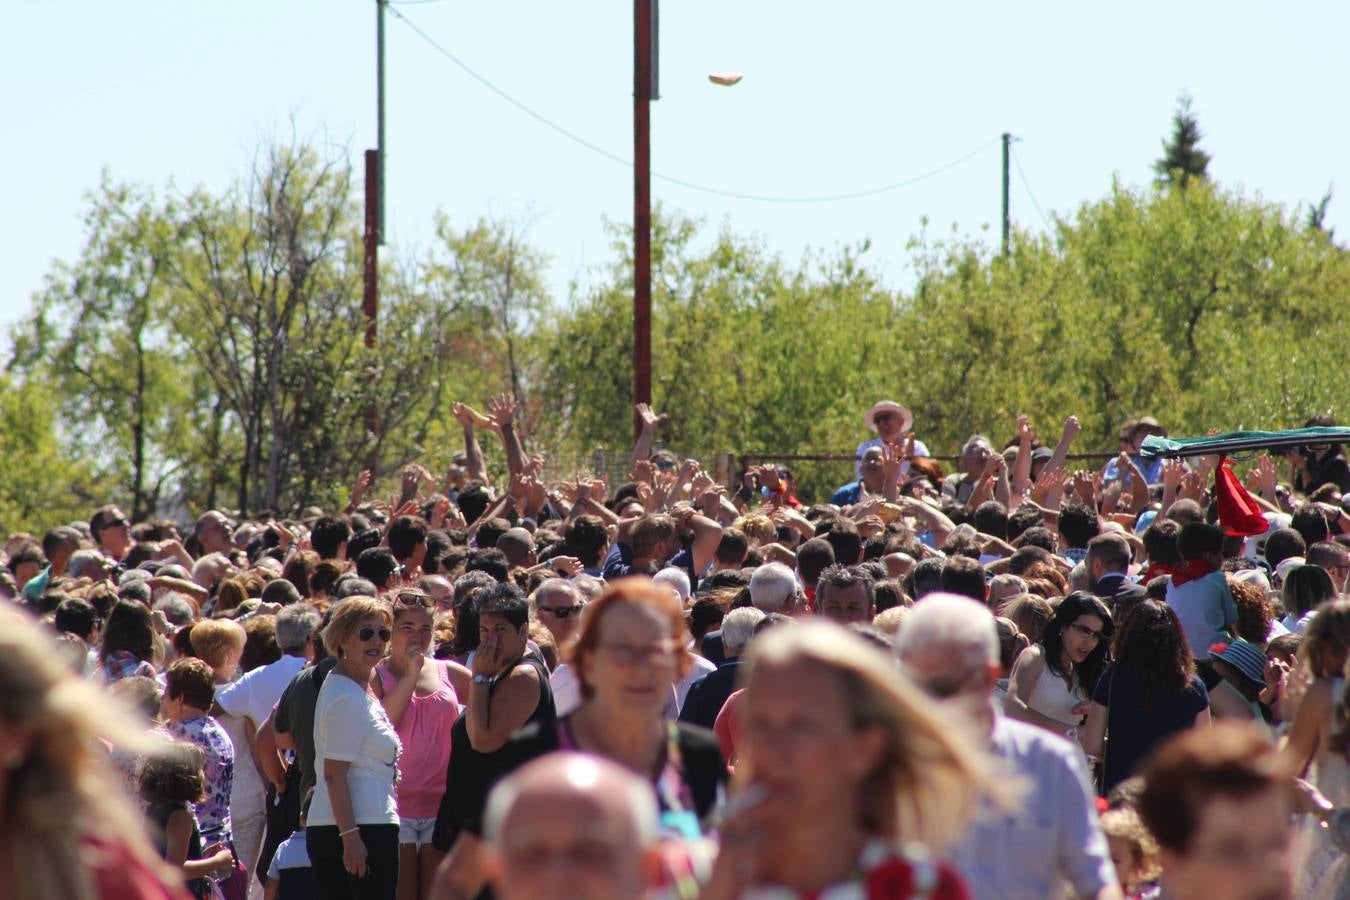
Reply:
x=367, y=633
x=561, y=612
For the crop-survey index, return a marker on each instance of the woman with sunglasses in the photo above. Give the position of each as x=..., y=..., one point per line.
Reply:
x=421, y=696
x=1052, y=681
x=352, y=830
x=628, y=657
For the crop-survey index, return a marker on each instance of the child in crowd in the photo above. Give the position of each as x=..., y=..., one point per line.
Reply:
x=1197, y=590
x=288, y=877
x=1133, y=851
x=169, y=783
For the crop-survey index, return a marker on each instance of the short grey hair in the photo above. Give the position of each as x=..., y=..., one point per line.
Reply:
x=772, y=587
x=963, y=626
x=85, y=564
x=677, y=578
x=176, y=608
x=588, y=586
x=738, y=626
x=556, y=586
x=296, y=624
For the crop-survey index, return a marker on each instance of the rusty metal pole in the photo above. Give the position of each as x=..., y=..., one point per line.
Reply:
x=643, y=46
x=370, y=301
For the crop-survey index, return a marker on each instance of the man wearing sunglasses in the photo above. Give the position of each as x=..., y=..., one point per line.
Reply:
x=558, y=606
x=111, y=531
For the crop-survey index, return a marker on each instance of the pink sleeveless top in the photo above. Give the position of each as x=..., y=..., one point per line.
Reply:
x=425, y=733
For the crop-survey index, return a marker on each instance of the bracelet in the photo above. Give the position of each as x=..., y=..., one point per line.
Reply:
x=352, y=830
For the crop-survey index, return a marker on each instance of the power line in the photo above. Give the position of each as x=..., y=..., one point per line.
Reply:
x=1022, y=177
x=595, y=148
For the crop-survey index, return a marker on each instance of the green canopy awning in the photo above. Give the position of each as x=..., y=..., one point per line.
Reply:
x=1242, y=442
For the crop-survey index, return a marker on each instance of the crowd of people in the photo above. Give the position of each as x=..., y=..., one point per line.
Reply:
x=1018, y=679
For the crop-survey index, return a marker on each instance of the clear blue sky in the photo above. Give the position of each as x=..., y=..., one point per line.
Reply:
x=837, y=97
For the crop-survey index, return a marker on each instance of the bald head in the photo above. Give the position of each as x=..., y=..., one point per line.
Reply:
x=568, y=825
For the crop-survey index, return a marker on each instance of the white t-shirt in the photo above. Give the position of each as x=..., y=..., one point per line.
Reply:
x=350, y=726
x=257, y=692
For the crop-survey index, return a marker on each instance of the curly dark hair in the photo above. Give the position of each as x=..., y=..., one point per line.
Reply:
x=1254, y=612
x=1079, y=603
x=175, y=774
x=1151, y=646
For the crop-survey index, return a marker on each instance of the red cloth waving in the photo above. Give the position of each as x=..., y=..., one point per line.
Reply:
x=1239, y=514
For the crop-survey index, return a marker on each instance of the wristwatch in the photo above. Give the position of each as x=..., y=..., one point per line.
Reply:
x=480, y=678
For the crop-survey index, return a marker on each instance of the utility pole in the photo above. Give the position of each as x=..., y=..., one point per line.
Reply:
x=644, y=91
x=379, y=110
x=1007, y=145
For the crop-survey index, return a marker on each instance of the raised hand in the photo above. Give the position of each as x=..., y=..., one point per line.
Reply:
x=1024, y=433
x=1071, y=429
x=1193, y=486
x=502, y=409
x=359, y=487
x=650, y=419
x=1265, y=471
x=1084, y=485
x=710, y=499
x=892, y=459
x=702, y=481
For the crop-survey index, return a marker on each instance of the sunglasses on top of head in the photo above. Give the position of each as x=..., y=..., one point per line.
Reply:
x=415, y=598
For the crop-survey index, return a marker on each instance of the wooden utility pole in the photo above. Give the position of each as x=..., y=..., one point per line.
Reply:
x=1007, y=221
x=644, y=91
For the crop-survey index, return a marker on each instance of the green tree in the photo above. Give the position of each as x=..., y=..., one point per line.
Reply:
x=98, y=333
x=1182, y=157
x=43, y=484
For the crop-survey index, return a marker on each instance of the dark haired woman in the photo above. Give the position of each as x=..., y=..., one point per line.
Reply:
x=1150, y=692
x=1051, y=680
x=128, y=642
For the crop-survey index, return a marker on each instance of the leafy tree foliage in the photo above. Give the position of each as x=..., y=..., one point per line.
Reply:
x=208, y=349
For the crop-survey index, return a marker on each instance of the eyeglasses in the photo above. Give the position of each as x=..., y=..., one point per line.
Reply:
x=415, y=598
x=1087, y=632
x=635, y=655
x=367, y=633
x=561, y=612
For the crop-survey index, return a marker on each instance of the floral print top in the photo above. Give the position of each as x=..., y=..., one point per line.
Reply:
x=213, y=813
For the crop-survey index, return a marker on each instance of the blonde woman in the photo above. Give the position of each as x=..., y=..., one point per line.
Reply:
x=352, y=829
x=847, y=773
x=70, y=831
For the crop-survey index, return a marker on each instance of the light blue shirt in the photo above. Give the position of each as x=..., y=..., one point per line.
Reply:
x=1053, y=838
x=1205, y=607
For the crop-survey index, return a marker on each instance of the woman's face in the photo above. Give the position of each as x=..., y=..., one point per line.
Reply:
x=411, y=632
x=1081, y=636
x=798, y=738
x=635, y=661
x=370, y=649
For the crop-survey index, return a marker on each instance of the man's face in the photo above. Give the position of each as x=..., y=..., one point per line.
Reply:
x=115, y=534
x=872, y=470
x=1242, y=849
x=1339, y=570
x=440, y=590
x=557, y=845
x=888, y=425
x=847, y=605
x=215, y=535
x=946, y=675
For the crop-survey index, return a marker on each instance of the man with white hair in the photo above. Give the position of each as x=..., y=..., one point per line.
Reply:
x=568, y=825
x=773, y=589
x=252, y=698
x=707, y=695
x=949, y=647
